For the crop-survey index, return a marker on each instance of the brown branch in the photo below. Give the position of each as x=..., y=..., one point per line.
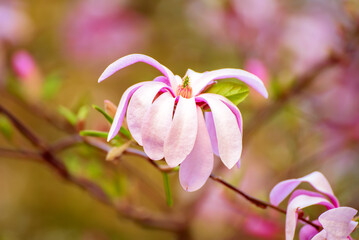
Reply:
x=300, y=84
x=45, y=114
x=258, y=202
x=146, y=219
x=19, y=153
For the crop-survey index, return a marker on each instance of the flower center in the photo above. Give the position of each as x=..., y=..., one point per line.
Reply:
x=185, y=89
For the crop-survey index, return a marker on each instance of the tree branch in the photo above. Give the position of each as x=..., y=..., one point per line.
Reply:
x=146, y=219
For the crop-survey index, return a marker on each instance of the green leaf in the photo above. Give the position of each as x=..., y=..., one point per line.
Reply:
x=51, y=86
x=93, y=133
x=6, y=128
x=108, y=117
x=123, y=130
x=234, y=90
x=68, y=114
x=167, y=187
x=82, y=113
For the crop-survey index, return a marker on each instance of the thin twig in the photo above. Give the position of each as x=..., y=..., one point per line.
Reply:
x=258, y=202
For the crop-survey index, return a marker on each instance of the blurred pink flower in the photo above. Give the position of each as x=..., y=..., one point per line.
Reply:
x=261, y=227
x=187, y=138
x=253, y=26
x=15, y=25
x=28, y=73
x=336, y=222
x=24, y=65
x=98, y=30
x=310, y=37
x=258, y=68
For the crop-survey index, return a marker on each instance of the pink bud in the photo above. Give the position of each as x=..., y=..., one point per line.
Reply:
x=24, y=65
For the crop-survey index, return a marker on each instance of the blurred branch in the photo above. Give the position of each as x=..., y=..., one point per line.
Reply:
x=50, y=117
x=165, y=223
x=19, y=153
x=262, y=116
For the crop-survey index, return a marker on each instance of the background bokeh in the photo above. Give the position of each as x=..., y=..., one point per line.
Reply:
x=52, y=53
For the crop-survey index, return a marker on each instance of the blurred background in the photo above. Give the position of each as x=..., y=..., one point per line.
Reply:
x=52, y=53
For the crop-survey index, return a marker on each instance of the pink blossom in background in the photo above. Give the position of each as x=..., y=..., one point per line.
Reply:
x=309, y=37
x=253, y=26
x=336, y=222
x=15, y=28
x=15, y=25
x=260, y=227
x=99, y=30
x=28, y=73
x=24, y=65
x=165, y=117
x=258, y=68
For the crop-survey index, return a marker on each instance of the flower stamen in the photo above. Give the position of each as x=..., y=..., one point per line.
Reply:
x=185, y=89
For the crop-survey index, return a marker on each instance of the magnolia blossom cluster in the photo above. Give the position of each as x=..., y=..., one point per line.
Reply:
x=337, y=222
x=165, y=116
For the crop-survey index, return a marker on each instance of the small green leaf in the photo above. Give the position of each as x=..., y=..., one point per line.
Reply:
x=167, y=187
x=234, y=90
x=6, y=128
x=93, y=133
x=68, y=114
x=82, y=113
x=123, y=130
x=108, y=117
x=51, y=86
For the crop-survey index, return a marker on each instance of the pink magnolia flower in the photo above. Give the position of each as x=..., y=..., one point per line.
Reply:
x=165, y=117
x=336, y=222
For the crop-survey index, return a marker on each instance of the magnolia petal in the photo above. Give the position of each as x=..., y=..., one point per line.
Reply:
x=156, y=125
x=322, y=235
x=140, y=102
x=196, y=168
x=307, y=232
x=134, y=58
x=297, y=203
x=228, y=133
x=212, y=132
x=121, y=109
x=231, y=106
x=337, y=222
x=250, y=79
x=316, y=179
x=298, y=192
x=180, y=140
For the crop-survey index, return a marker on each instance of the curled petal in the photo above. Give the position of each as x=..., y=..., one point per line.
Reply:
x=140, y=102
x=182, y=135
x=134, y=58
x=337, y=222
x=121, y=109
x=316, y=179
x=196, y=168
x=307, y=232
x=162, y=79
x=298, y=192
x=156, y=125
x=228, y=132
x=208, y=77
x=297, y=203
